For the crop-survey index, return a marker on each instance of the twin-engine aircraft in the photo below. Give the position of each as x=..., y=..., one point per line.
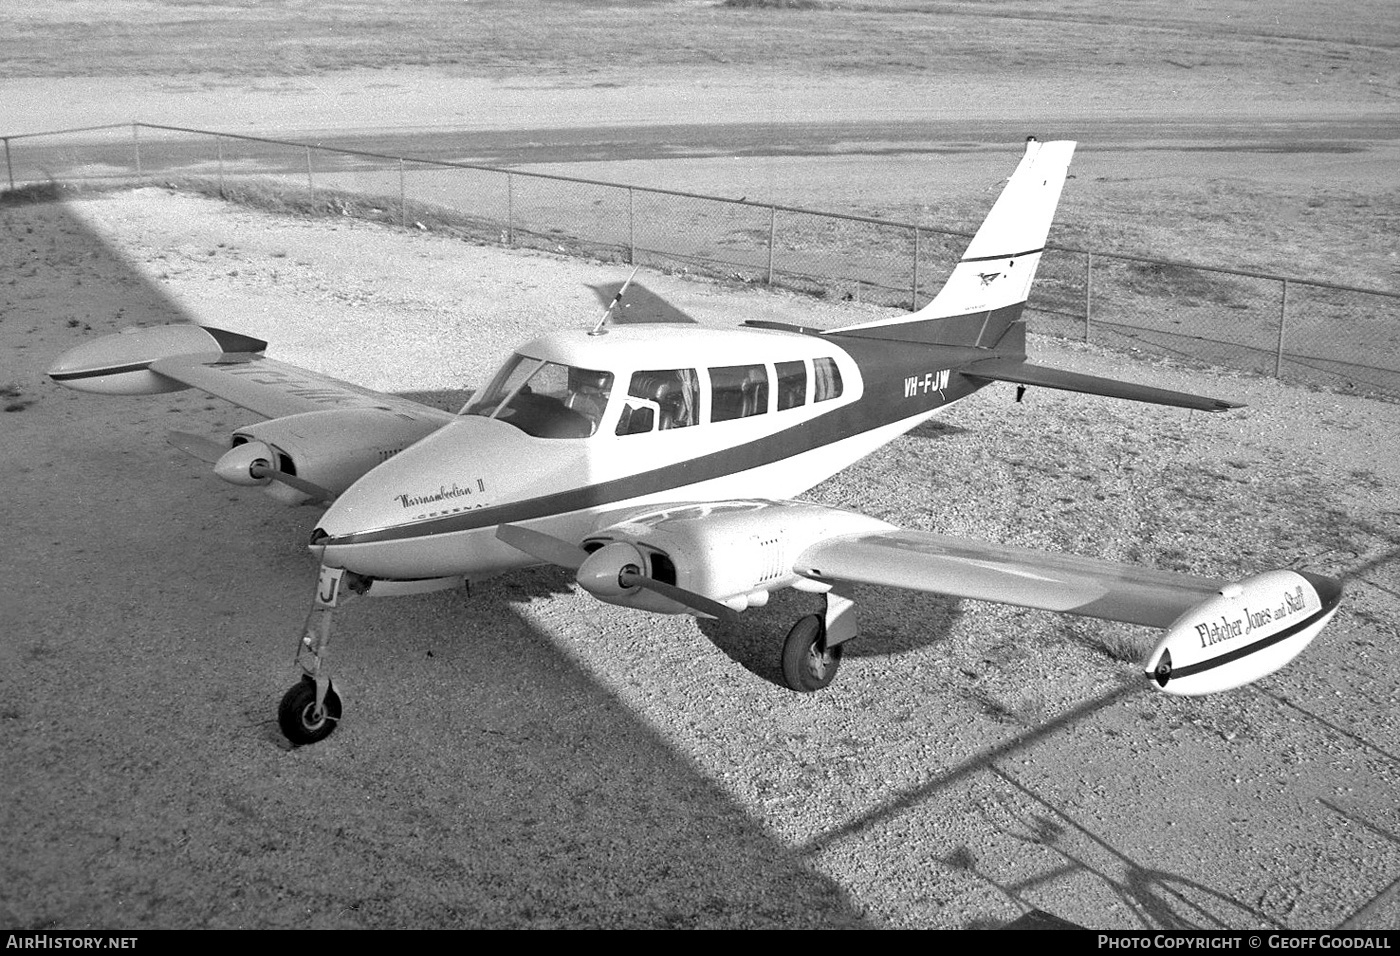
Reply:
x=661, y=464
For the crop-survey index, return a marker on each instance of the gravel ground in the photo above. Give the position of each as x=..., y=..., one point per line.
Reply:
x=526, y=756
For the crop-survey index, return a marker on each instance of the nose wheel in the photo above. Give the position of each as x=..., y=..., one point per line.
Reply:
x=303, y=720
x=311, y=708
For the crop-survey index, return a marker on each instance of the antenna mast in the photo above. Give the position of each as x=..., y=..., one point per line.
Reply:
x=598, y=329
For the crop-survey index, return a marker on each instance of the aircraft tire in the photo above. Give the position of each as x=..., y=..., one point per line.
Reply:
x=808, y=664
x=295, y=713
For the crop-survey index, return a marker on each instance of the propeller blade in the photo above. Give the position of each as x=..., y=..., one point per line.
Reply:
x=696, y=602
x=546, y=547
x=259, y=470
x=205, y=449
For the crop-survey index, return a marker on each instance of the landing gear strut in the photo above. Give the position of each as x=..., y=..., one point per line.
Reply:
x=311, y=708
x=812, y=649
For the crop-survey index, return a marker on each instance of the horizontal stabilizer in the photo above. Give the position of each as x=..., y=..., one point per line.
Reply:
x=1024, y=373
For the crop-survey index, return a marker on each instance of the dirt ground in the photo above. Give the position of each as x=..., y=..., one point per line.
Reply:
x=523, y=756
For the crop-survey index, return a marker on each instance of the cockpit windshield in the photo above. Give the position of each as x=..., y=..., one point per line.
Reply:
x=545, y=399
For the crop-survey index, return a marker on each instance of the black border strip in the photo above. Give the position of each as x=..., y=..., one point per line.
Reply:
x=98, y=372
x=1200, y=667
x=1005, y=255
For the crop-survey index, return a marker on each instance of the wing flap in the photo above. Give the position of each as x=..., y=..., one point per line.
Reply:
x=1008, y=575
x=273, y=389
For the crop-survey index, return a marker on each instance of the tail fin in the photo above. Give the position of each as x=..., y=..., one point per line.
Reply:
x=980, y=306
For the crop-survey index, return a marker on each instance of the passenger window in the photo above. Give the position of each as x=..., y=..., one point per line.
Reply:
x=738, y=391
x=827, y=379
x=660, y=400
x=792, y=384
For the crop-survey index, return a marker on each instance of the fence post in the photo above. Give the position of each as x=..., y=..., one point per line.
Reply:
x=310, y=186
x=403, y=198
x=1088, y=292
x=9, y=170
x=1282, y=326
x=136, y=147
x=510, y=210
x=914, y=297
x=772, y=232
x=631, y=227
x=219, y=142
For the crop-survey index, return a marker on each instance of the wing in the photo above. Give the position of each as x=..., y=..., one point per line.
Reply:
x=274, y=389
x=1008, y=575
x=224, y=364
x=321, y=434
x=1219, y=634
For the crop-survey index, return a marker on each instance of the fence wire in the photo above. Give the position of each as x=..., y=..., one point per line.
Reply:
x=1294, y=329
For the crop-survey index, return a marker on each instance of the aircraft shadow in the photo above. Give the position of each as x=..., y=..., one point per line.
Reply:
x=639, y=305
x=483, y=777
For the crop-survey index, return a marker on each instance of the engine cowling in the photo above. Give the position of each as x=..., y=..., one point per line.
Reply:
x=333, y=448
x=734, y=552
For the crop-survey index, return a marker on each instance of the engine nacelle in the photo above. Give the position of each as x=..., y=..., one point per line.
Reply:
x=333, y=448
x=735, y=552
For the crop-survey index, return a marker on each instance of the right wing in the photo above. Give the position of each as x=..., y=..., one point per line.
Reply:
x=321, y=434
x=274, y=389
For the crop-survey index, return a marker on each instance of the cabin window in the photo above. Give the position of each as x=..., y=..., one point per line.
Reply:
x=545, y=399
x=792, y=384
x=827, y=378
x=660, y=400
x=738, y=391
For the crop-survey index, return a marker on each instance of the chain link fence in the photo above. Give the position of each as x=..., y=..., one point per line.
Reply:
x=1303, y=331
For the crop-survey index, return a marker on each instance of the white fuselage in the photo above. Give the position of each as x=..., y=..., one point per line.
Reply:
x=433, y=510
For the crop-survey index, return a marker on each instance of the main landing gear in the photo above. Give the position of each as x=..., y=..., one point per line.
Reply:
x=812, y=650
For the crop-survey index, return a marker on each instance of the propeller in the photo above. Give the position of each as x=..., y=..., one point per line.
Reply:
x=251, y=464
x=610, y=572
x=546, y=547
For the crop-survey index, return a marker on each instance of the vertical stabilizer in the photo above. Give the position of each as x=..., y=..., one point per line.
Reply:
x=981, y=303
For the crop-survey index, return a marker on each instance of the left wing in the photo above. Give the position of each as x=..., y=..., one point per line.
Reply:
x=1219, y=634
x=984, y=571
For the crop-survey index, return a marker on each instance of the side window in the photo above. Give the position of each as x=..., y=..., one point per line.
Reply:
x=827, y=378
x=660, y=400
x=792, y=384
x=738, y=391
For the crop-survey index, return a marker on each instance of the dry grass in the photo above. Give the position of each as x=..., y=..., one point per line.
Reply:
x=533, y=37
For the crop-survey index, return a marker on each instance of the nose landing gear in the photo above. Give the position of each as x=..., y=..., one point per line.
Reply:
x=311, y=707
